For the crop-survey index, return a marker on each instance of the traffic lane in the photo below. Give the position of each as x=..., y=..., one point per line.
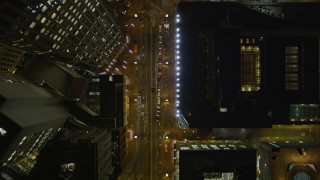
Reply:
x=149, y=98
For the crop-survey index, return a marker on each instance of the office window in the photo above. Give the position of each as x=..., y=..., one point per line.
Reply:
x=38, y=17
x=292, y=68
x=48, y=22
x=53, y=15
x=44, y=8
x=250, y=68
x=42, y=30
x=32, y=25
x=304, y=112
x=43, y=20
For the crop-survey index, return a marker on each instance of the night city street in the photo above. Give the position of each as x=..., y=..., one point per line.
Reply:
x=160, y=90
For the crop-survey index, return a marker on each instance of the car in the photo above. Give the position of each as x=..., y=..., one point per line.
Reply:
x=274, y=157
x=302, y=151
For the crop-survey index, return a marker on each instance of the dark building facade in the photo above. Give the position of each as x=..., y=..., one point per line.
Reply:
x=119, y=148
x=106, y=101
x=253, y=65
x=105, y=107
x=30, y=116
x=62, y=79
x=77, y=155
x=214, y=160
x=81, y=32
x=10, y=58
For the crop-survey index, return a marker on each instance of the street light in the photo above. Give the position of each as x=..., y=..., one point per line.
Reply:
x=135, y=15
x=167, y=15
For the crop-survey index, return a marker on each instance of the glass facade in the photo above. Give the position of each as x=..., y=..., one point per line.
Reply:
x=78, y=31
x=304, y=112
x=250, y=68
x=292, y=67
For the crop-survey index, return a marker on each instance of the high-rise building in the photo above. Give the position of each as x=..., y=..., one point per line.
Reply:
x=214, y=160
x=83, y=32
x=119, y=148
x=77, y=155
x=30, y=116
x=105, y=107
x=107, y=101
x=62, y=79
x=10, y=58
x=253, y=64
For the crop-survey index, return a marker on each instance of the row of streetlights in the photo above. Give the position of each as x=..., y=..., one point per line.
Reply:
x=177, y=57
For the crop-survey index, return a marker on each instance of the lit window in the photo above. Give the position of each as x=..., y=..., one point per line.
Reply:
x=2, y=131
x=250, y=68
x=44, y=8
x=32, y=25
x=95, y=80
x=48, y=23
x=53, y=15
x=292, y=67
x=66, y=14
x=43, y=20
x=304, y=112
x=38, y=17
x=42, y=30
